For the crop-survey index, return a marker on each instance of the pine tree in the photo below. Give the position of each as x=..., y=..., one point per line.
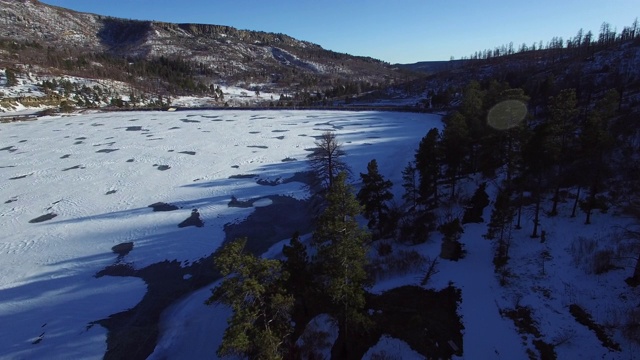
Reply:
x=342, y=254
x=510, y=115
x=410, y=185
x=296, y=264
x=596, y=142
x=11, y=78
x=301, y=283
x=254, y=289
x=455, y=138
x=537, y=159
x=477, y=203
x=563, y=112
x=472, y=108
x=451, y=248
x=428, y=167
x=499, y=226
x=373, y=196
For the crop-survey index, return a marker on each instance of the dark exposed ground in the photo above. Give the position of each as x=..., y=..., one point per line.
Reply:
x=270, y=224
x=427, y=320
x=133, y=334
x=161, y=206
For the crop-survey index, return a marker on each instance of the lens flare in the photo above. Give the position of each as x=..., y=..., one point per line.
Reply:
x=507, y=114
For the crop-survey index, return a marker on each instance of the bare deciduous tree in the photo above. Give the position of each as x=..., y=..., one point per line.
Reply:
x=326, y=160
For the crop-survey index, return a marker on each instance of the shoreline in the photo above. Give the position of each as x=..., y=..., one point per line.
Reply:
x=134, y=333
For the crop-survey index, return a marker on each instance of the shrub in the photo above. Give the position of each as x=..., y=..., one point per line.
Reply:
x=313, y=342
x=593, y=257
x=384, y=355
x=431, y=270
x=475, y=207
x=602, y=261
x=65, y=107
x=504, y=276
x=384, y=249
x=48, y=112
x=451, y=248
x=631, y=328
x=397, y=263
x=582, y=248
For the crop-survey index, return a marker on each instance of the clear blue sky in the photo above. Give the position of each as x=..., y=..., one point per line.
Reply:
x=401, y=31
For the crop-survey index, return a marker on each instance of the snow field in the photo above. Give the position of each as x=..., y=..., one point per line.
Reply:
x=98, y=172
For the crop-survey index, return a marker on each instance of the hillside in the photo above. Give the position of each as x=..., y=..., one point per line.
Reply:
x=592, y=68
x=176, y=59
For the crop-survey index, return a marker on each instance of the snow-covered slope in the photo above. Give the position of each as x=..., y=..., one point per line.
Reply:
x=28, y=95
x=229, y=55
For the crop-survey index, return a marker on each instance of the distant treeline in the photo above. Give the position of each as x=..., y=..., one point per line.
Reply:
x=582, y=43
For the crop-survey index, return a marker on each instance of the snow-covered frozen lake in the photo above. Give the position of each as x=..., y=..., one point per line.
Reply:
x=99, y=172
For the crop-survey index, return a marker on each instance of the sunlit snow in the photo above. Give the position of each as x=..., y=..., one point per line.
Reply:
x=99, y=172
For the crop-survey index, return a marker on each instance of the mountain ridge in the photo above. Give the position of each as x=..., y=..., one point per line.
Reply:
x=213, y=54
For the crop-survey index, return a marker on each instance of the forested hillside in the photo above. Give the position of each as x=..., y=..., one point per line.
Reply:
x=535, y=147
x=166, y=59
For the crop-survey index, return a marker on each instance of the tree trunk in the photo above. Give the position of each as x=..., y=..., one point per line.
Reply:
x=575, y=203
x=509, y=164
x=556, y=198
x=536, y=217
x=453, y=183
x=518, y=224
x=587, y=221
x=590, y=203
x=330, y=170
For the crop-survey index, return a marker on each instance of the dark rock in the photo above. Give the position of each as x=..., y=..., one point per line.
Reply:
x=243, y=176
x=122, y=249
x=160, y=206
x=193, y=220
x=235, y=203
